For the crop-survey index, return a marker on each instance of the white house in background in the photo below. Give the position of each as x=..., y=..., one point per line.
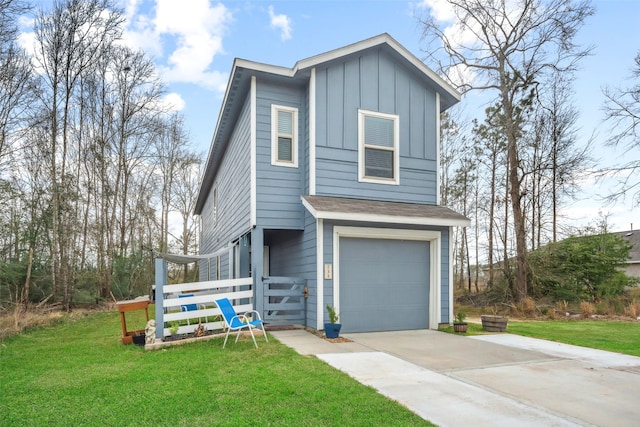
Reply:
x=633, y=265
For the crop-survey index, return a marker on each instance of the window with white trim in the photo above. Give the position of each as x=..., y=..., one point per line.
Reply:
x=378, y=142
x=284, y=136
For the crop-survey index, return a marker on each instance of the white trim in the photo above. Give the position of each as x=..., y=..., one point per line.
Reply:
x=319, y=275
x=438, y=113
x=253, y=143
x=275, y=161
x=362, y=177
x=435, y=262
x=451, y=315
x=345, y=51
x=336, y=266
x=312, y=133
x=389, y=219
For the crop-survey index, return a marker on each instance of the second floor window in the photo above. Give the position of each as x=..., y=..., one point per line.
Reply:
x=378, y=139
x=284, y=136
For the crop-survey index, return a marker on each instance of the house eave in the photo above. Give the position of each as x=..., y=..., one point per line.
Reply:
x=384, y=217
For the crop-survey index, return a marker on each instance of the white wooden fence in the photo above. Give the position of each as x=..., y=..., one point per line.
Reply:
x=204, y=296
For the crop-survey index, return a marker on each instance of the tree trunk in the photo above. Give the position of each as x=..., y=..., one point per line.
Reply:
x=27, y=281
x=516, y=197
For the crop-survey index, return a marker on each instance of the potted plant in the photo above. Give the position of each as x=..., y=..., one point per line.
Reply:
x=459, y=325
x=332, y=330
x=173, y=328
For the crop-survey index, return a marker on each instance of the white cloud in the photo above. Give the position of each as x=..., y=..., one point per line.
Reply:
x=441, y=10
x=173, y=101
x=461, y=75
x=281, y=22
x=192, y=35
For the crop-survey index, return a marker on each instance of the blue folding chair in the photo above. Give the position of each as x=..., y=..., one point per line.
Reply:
x=237, y=322
x=190, y=307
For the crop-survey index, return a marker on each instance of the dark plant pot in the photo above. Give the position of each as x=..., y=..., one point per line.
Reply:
x=494, y=323
x=332, y=330
x=139, y=339
x=460, y=327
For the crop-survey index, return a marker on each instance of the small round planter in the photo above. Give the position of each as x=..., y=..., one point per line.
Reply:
x=332, y=330
x=460, y=328
x=491, y=323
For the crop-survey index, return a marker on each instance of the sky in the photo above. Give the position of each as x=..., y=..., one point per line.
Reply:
x=194, y=43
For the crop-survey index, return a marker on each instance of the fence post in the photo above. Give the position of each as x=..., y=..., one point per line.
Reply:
x=257, y=264
x=161, y=280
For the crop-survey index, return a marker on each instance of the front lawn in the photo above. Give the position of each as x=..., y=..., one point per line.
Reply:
x=78, y=373
x=621, y=337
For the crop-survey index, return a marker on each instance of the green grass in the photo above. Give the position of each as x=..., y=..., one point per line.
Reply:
x=78, y=373
x=620, y=337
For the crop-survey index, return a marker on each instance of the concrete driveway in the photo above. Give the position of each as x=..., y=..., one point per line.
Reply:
x=489, y=380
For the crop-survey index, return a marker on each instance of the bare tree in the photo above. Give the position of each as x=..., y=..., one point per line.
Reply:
x=17, y=86
x=170, y=145
x=563, y=157
x=622, y=109
x=69, y=38
x=489, y=137
x=506, y=46
x=185, y=193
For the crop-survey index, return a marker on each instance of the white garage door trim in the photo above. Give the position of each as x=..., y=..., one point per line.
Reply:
x=434, y=239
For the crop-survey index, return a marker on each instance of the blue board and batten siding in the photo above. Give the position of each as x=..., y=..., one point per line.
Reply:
x=233, y=184
x=278, y=187
x=374, y=82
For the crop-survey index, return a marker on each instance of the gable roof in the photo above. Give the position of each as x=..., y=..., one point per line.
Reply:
x=240, y=81
x=633, y=237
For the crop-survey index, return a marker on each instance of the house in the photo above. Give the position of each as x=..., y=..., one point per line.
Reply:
x=632, y=269
x=328, y=171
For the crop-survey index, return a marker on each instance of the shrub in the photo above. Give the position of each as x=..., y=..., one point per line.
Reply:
x=562, y=306
x=587, y=309
x=582, y=267
x=633, y=309
x=527, y=306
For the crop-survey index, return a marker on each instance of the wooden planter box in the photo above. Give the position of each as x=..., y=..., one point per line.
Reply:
x=494, y=323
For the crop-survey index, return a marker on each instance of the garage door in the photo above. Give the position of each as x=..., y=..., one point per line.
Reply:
x=384, y=284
